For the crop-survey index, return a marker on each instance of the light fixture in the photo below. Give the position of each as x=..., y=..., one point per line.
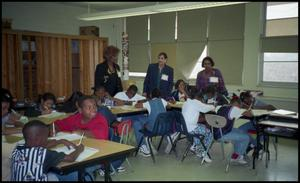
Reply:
x=158, y=8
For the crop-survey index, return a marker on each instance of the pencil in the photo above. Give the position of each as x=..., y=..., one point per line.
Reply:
x=250, y=106
x=81, y=139
x=53, y=129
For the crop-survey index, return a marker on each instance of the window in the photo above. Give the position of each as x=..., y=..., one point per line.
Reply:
x=281, y=19
x=280, y=67
x=198, y=67
x=279, y=50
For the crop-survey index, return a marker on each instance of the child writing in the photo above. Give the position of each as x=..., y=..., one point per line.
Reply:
x=45, y=105
x=191, y=110
x=87, y=121
x=35, y=155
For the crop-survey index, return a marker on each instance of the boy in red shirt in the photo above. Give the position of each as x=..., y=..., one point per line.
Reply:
x=89, y=122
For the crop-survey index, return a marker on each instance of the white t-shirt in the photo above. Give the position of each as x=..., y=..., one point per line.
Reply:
x=190, y=111
x=122, y=96
x=235, y=112
x=147, y=105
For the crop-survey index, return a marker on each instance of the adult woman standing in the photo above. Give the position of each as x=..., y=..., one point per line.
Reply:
x=159, y=75
x=107, y=74
x=210, y=76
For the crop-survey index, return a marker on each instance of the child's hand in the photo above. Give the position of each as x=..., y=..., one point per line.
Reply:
x=79, y=148
x=67, y=143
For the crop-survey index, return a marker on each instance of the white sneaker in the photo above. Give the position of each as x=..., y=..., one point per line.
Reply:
x=207, y=159
x=144, y=151
x=239, y=160
x=121, y=169
x=193, y=148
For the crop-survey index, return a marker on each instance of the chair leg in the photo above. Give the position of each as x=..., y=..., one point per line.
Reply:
x=113, y=169
x=151, y=151
x=161, y=139
x=138, y=148
x=129, y=164
x=275, y=143
x=186, y=152
x=173, y=146
x=222, y=147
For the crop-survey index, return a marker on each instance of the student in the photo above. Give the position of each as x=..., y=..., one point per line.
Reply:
x=154, y=107
x=9, y=116
x=46, y=105
x=211, y=96
x=103, y=98
x=71, y=105
x=130, y=96
x=239, y=138
x=32, y=161
x=159, y=75
x=249, y=102
x=191, y=110
x=180, y=93
x=87, y=121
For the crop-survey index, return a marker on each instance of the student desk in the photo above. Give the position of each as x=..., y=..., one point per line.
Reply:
x=285, y=126
x=126, y=110
x=108, y=151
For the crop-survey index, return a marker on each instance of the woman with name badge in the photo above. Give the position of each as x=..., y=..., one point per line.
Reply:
x=210, y=76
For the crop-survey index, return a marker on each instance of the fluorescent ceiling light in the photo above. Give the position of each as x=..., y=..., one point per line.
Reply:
x=158, y=8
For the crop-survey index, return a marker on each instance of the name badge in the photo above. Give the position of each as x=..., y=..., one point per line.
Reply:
x=119, y=74
x=213, y=79
x=164, y=77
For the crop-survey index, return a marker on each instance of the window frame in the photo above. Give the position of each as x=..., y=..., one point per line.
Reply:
x=271, y=84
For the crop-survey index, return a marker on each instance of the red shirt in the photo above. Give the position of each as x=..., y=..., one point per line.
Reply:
x=97, y=126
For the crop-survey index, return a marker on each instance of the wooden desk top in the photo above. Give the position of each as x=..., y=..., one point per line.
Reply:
x=176, y=105
x=127, y=110
x=106, y=148
x=50, y=120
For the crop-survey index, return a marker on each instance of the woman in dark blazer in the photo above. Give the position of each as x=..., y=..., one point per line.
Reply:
x=159, y=75
x=107, y=74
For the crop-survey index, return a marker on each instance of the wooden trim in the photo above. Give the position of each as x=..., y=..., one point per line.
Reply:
x=34, y=33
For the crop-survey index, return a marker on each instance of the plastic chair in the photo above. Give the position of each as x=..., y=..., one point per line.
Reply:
x=165, y=125
x=218, y=122
x=123, y=129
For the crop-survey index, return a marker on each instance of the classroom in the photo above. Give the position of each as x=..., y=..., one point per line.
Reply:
x=113, y=69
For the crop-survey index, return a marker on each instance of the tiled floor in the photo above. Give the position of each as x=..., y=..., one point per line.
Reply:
x=168, y=168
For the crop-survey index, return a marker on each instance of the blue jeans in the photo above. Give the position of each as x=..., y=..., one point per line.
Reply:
x=240, y=140
x=249, y=126
x=138, y=122
x=73, y=176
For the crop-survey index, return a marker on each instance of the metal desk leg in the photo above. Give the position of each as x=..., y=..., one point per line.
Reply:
x=107, y=176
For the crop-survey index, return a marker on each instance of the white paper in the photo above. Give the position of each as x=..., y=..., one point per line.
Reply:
x=283, y=112
x=213, y=79
x=67, y=136
x=164, y=77
x=87, y=152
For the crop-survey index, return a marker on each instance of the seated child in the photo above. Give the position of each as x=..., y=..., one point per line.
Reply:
x=249, y=102
x=191, y=110
x=130, y=96
x=45, y=105
x=89, y=122
x=71, y=105
x=9, y=116
x=35, y=155
x=211, y=96
x=154, y=106
x=239, y=138
x=180, y=93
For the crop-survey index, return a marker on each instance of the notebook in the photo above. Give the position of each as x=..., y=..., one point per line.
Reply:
x=87, y=152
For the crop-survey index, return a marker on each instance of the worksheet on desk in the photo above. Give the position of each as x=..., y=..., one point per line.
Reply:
x=87, y=152
x=67, y=136
x=283, y=112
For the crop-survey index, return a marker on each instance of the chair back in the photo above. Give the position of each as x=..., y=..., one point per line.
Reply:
x=215, y=121
x=168, y=123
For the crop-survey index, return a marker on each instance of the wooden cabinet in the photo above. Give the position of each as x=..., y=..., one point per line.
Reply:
x=34, y=63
